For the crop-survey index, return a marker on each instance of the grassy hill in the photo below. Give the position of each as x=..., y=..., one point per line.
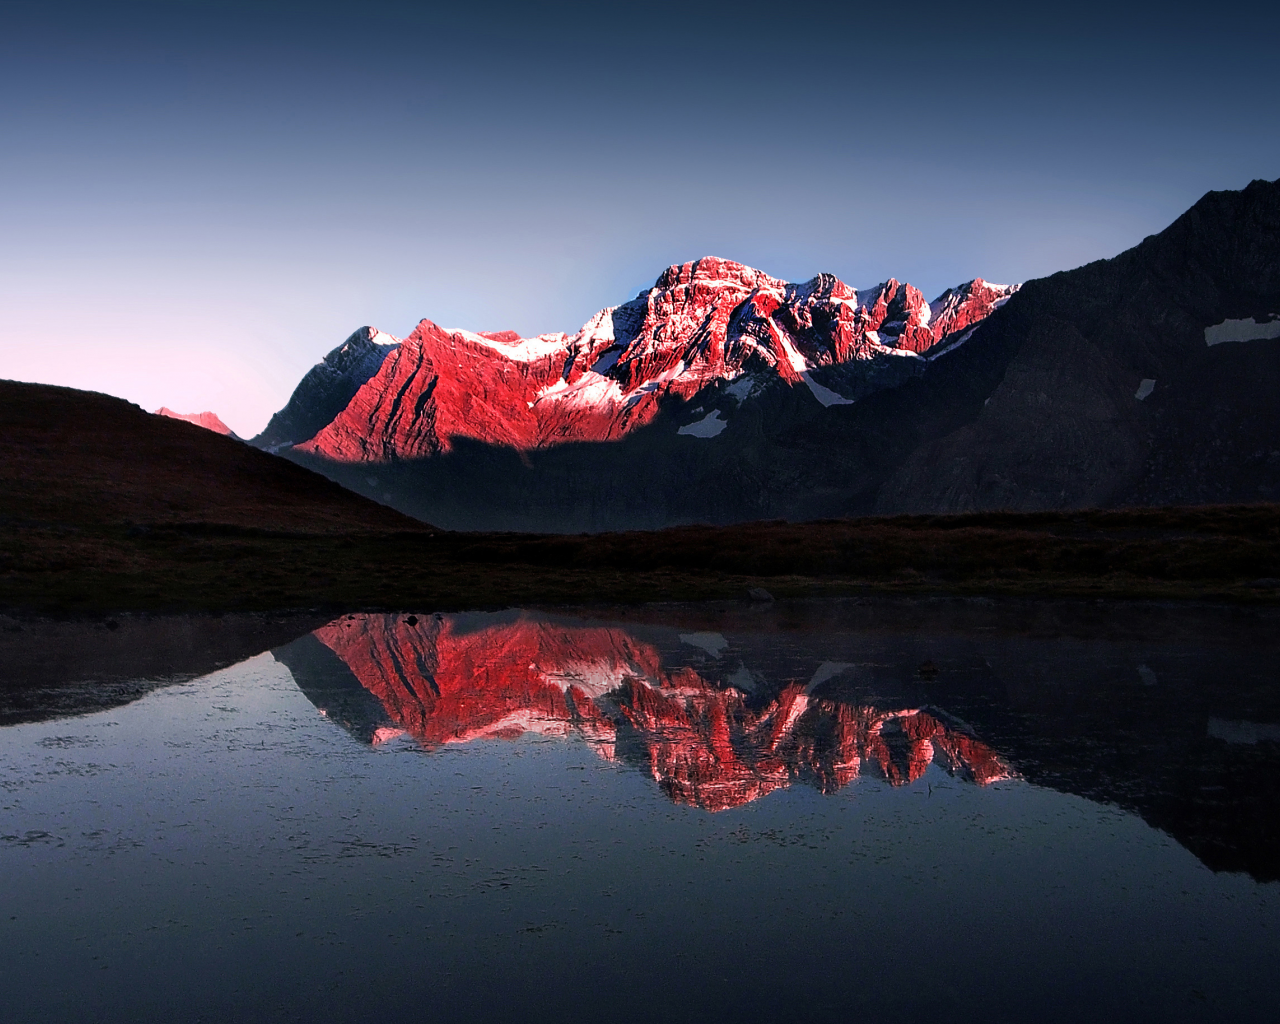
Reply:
x=104, y=508
x=80, y=459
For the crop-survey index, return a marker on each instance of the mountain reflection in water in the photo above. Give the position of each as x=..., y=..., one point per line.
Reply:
x=706, y=741
x=213, y=848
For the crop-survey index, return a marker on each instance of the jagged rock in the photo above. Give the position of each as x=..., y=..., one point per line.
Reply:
x=327, y=388
x=704, y=325
x=453, y=417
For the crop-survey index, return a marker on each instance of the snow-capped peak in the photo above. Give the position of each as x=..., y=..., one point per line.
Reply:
x=702, y=324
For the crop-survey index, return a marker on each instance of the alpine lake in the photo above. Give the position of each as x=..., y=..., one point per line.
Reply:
x=823, y=811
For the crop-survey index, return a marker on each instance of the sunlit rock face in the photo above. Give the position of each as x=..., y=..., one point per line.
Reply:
x=451, y=679
x=208, y=420
x=327, y=388
x=703, y=324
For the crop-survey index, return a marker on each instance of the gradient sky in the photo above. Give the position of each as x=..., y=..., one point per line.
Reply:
x=202, y=198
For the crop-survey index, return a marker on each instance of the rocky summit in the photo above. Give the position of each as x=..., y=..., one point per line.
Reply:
x=708, y=338
x=722, y=394
x=703, y=325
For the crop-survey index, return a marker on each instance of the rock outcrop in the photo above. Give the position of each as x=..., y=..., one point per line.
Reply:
x=327, y=388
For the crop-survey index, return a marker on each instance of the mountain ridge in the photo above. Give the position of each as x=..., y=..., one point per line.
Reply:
x=723, y=395
x=703, y=323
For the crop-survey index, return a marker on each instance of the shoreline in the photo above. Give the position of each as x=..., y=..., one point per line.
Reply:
x=1220, y=555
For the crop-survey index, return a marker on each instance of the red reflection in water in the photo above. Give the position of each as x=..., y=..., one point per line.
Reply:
x=442, y=683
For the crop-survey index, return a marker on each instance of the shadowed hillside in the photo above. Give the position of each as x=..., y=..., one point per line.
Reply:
x=79, y=459
x=105, y=508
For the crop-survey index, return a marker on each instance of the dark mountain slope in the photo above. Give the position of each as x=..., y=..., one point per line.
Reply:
x=1064, y=363
x=77, y=459
x=1096, y=387
x=327, y=388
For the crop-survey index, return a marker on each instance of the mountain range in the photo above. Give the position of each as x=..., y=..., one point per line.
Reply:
x=1161, y=711
x=443, y=680
x=722, y=395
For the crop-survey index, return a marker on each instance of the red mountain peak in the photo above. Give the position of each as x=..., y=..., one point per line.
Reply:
x=207, y=420
x=703, y=323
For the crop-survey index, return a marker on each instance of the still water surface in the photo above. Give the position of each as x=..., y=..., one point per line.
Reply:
x=696, y=814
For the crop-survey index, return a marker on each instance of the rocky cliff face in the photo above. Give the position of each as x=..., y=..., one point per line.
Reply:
x=705, y=741
x=699, y=400
x=722, y=395
x=327, y=388
x=1150, y=378
x=703, y=326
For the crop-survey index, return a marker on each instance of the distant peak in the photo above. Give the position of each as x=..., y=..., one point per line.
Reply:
x=208, y=420
x=713, y=269
x=374, y=336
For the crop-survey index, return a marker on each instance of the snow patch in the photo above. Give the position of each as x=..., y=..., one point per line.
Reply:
x=827, y=670
x=526, y=350
x=745, y=680
x=743, y=387
x=792, y=353
x=599, y=328
x=923, y=312
x=1145, y=388
x=591, y=390
x=1243, y=330
x=709, y=426
x=712, y=643
x=594, y=678
x=824, y=395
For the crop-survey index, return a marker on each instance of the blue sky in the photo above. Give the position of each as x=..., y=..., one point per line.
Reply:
x=202, y=198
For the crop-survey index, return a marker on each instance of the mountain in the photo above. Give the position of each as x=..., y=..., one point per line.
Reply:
x=327, y=388
x=1147, y=379
x=723, y=395
x=445, y=680
x=671, y=368
x=208, y=420
x=1164, y=710
x=703, y=326
x=74, y=461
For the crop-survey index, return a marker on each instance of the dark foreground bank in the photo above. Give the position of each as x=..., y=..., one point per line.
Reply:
x=105, y=508
x=1208, y=553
